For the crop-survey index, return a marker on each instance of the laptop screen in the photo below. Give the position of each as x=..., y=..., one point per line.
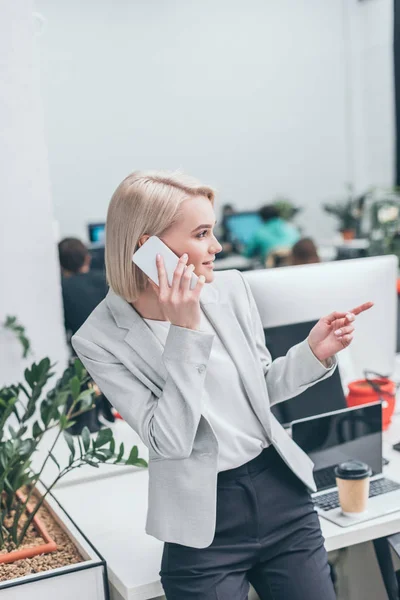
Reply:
x=352, y=433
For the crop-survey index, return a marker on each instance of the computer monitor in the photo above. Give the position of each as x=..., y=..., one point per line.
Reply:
x=322, y=397
x=242, y=226
x=289, y=295
x=97, y=232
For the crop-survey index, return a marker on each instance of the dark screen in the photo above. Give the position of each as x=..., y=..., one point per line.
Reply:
x=324, y=396
x=350, y=434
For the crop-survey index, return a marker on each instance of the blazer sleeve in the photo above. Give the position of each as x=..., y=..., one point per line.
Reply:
x=286, y=376
x=166, y=424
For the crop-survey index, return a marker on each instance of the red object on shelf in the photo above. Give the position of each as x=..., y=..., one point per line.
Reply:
x=362, y=392
x=117, y=415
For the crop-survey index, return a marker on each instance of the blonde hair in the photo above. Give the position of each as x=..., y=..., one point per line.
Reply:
x=146, y=202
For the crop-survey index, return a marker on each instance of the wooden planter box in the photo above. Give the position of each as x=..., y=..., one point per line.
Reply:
x=86, y=579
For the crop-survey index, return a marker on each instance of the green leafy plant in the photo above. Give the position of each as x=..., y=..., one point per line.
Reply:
x=287, y=210
x=12, y=324
x=345, y=212
x=26, y=415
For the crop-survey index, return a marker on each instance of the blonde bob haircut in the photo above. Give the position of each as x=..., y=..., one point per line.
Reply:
x=146, y=202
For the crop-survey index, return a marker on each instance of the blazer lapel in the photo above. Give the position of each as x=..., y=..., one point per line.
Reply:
x=149, y=350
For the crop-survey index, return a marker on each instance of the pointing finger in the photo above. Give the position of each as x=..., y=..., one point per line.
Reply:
x=362, y=308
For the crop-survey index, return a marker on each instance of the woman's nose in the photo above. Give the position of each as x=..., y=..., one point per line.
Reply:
x=215, y=246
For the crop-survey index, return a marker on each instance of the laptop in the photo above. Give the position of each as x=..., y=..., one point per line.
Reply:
x=350, y=433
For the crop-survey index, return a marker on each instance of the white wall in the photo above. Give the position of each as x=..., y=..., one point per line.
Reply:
x=29, y=272
x=248, y=96
x=369, y=42
x=256, y=98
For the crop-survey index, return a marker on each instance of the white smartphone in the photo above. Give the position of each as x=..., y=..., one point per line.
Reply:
x=145, y=259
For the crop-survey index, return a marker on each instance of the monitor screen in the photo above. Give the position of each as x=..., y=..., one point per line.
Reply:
x=354, y=433
x=97, y=232
x=324, y=396
x=242, y=226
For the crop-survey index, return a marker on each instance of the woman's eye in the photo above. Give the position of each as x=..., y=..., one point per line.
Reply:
x=203, y=233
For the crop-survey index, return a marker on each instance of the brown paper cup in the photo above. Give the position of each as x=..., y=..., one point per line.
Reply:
x=353, y=495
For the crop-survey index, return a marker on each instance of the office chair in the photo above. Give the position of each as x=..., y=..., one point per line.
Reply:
x=391, y=578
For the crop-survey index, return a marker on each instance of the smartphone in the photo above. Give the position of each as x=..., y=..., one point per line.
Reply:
x=145, y=259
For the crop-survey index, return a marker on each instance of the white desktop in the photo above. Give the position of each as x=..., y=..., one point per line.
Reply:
x=289, y=295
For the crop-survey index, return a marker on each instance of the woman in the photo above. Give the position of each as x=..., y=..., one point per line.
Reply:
x=189, y=371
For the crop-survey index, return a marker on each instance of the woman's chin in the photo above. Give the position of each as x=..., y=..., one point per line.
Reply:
x=209, y=276
x=207, y=273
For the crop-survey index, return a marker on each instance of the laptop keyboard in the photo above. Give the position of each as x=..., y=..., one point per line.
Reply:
x=377, y=487
x=325, y=478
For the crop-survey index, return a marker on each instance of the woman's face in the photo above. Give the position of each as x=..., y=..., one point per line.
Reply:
x=194, y=234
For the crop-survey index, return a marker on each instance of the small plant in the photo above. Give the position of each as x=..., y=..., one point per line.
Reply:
x=25, y=417
x=12, y=324
x=287, y=210
x=345, y=212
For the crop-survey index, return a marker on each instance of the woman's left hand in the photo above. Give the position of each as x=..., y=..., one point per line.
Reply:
x=334, y=332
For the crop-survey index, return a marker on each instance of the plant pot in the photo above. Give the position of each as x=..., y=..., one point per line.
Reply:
x=85, y=579
x=348, y=234
x=48, y=546
x=361, y=392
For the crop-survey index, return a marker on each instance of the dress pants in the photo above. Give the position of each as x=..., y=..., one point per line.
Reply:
x=267, y=533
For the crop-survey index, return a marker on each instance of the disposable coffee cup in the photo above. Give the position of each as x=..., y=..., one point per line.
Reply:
x=352, y=479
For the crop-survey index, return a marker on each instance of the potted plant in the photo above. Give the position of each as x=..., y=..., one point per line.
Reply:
x=384, y=231
x=348, y=214
x=26, y=415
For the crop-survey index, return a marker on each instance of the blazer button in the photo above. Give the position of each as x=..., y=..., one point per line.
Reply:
x=201, y=369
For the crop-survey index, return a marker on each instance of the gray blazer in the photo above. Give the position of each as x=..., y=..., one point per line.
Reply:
x=158, y=391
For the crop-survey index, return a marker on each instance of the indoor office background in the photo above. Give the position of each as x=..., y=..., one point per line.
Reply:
x=261, y=100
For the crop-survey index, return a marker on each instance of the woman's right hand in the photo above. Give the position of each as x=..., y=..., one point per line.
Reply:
x=180, y=304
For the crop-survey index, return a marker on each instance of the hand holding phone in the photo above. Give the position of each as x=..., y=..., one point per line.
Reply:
x=145, y=259
x=179, y=294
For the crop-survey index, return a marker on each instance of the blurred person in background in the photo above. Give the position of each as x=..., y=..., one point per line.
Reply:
x=83, y=289
x=304, y=252
x=274, y=233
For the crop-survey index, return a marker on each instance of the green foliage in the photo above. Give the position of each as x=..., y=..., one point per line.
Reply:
x=287, y=210
x=26, y=415
x=345, y=212
x=12, y=324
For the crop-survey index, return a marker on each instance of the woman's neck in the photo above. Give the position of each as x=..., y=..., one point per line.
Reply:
x=148, y=306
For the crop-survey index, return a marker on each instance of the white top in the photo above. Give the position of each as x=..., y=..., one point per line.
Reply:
x=240, y=434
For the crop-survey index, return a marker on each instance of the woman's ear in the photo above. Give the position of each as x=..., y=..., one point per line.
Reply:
x=143, y=239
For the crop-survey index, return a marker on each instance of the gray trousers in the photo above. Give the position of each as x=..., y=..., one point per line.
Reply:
x=267, y=533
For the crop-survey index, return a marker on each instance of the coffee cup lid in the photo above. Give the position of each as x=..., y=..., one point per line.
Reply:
x=353, y=469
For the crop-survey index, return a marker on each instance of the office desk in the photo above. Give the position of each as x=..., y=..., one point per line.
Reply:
x=340, y=537
x=111, y=510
